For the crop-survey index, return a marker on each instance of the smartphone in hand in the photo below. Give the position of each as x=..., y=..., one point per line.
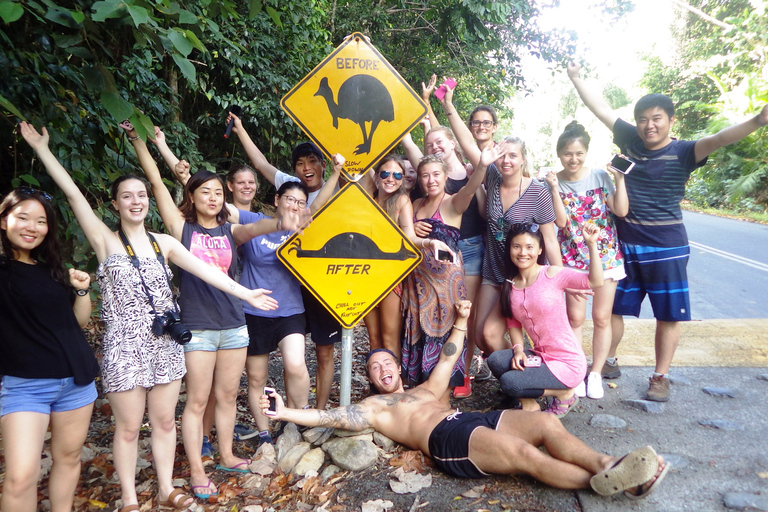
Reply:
x=622, y=164
x=272, y=410
x=532, y=362
x=440, y=91
x=442, y=255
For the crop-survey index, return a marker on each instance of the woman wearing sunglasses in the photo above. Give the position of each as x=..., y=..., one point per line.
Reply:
x=47, y=366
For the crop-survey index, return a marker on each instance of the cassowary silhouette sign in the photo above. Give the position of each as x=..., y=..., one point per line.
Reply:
x=356, y=104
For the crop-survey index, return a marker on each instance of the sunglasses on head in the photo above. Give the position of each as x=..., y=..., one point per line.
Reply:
x=385, y=174
x=34, y=192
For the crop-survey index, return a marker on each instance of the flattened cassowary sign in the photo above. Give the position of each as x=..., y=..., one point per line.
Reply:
x=356, y=104
x=351, y=255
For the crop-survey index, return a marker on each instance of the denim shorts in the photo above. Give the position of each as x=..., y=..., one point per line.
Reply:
x=472, y=251
x=211, y=341
x=44, y=395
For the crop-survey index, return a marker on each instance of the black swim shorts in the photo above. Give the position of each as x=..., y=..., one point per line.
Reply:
x=449, y=442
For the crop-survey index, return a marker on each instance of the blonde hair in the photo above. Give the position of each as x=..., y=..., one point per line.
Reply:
x=449, y=134
x=526, y=170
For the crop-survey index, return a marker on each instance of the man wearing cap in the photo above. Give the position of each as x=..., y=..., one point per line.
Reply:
x=309, y=165
x=473, y=445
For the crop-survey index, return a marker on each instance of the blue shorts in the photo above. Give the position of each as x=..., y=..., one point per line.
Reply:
x=659, y=272
x=211, y=341
x=44, y=395
x=449, y=442
x=472, y=251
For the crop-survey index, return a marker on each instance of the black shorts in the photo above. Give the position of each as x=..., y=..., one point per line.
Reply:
x=325, y=329
x=449, y=442
x=265, y=333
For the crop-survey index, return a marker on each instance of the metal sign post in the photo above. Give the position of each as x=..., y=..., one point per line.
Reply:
x=346, y=367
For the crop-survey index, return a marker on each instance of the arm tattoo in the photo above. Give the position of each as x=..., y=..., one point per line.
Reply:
x=351, y=417
x=449, y=349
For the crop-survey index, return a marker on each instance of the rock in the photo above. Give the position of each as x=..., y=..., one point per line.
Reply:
x=677, y=462
x=720, y=392
x=262, y=467
x=255, y=483
x=763, y=376
x=329, y=471
x=743, y=500
x=267, y=453
x=311, y=461
x=383, y=441
x=293, y=456
x=179, y=482
x=679, y=380
x=349, y=433
x=317, y=435
x=721, y=424
x=351, y=454
x=645, y=405
x=288, y=440
x=607, y=421
x=308, y=476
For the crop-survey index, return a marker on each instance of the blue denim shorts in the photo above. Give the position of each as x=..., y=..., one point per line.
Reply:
x=44, y=395
x=472, y=251
x=211, y=341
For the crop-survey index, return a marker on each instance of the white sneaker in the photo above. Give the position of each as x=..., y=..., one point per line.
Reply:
x=595, y=386
x=580, y=390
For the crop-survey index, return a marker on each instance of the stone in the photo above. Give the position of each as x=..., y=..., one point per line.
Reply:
x=722, y=424
x=763, y=376
x=317, y=435
x=262, y=467
x=350, y=433
x=720, y=392
x=288, y=440
x=311, y=461
x=676, y=462
x=329, y=471
x=383, y=441
x=607, y=421
x=267, y=452
x=293, y=456
x=351, y=454
x=679, y=380
x=645, y=405
x=742, y=500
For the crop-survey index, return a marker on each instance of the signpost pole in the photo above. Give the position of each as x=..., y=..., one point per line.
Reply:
x=346, y=367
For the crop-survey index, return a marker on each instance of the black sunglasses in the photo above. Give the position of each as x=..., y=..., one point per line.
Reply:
x=385, y=174
x=34, y=192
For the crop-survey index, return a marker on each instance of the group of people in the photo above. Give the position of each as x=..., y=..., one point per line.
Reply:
x=508, y=271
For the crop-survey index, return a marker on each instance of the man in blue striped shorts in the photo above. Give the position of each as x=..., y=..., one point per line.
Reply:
x=652, y=235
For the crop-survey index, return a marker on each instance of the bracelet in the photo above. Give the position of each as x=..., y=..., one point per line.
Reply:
x=516, y=345
x=423, y=240
x=459, y=328
x=133, y=138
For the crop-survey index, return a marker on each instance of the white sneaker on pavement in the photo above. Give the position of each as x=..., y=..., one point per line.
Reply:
x=580, y=390
x=595, y=386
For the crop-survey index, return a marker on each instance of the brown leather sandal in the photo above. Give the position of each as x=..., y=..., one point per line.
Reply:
x=176, y=500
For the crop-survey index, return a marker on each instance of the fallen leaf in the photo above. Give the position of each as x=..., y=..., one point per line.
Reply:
x=410, y=461
x=493, y=502
x=97, y=503
x=764, y=474
x=409, y=482
x=474, y=492
x=377, y=505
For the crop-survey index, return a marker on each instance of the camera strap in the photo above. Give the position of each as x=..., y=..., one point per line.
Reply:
x=135, y=261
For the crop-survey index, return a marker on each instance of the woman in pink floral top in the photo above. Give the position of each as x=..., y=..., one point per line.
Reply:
x=580, y=195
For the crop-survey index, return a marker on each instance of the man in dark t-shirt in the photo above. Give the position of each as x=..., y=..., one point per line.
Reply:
x=652, y=234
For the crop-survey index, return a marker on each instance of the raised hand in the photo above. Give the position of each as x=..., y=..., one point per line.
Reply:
x=448, y=98
x=127, y=126
x=238, y=122
x=552, y=179
x=338, y=162
x=427, y=90
x=762, y=117
x=573, y=68
x=590, y=232
x=79, y=280
x=181, y=171
x=36, y=140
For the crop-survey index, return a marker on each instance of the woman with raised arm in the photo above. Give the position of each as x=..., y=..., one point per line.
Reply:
x=215, y=356
x=581, y=194
x=386, y=183
x=436, y=284
x=532, y=294
x=46, y=363
x=512, y=197
x=143, y=360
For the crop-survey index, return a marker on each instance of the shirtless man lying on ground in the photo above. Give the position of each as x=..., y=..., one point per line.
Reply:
x=472, y=445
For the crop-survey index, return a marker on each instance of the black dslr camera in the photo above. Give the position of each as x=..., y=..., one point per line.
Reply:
x=170, y=323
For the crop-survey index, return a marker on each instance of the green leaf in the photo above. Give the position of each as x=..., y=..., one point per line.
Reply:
x=30, y=180
x=117, y=107
x=65, y=41
x=186, y=67
x=102, y=11
x=10, y=11
x=187, y=17
x=93, y=79
x=275, y=17
x=7, y=105
x=79, y=51
x=143, y=124
x=254, y=8
x=180, y=42
x=61, y=16
x=195, y=41
x=78, y=16
x=138, y=14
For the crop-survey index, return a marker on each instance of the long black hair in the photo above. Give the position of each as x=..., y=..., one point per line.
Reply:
x=49, y=251
x=510, y=269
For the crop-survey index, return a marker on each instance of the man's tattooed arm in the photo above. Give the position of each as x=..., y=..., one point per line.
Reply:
x=352, y=417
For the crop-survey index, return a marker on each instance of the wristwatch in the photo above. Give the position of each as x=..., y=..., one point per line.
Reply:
x=81, y=293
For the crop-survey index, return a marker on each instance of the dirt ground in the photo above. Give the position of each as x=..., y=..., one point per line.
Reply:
x=343, y=492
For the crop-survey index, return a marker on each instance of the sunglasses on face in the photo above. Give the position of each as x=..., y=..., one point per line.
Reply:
x=34, y=192
x=485, y=124
x=290, y=201
x=519, y=227
x=385, y=174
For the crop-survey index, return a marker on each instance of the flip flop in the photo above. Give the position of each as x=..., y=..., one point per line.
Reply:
x=649, y=490
x=632, y=470
x=237, y=467
x=176, y=500
x=207, y=486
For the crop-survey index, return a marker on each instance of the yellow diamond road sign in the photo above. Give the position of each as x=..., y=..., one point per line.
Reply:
x=356, y=104
x=351, y=255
